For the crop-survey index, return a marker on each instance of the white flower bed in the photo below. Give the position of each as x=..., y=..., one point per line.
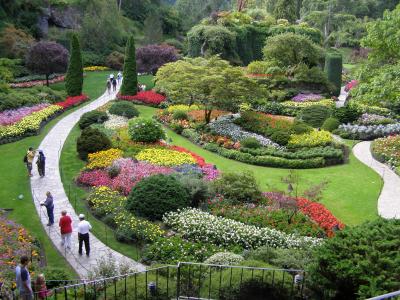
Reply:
x=371, y=131
x=224, y=258
x=115, y=122
x=197, y=225
x=224, y=126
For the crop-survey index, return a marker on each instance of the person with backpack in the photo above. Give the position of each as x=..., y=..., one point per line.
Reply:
x=109, y=86
x=28, y=160
x=114, y=84
x=41, y=163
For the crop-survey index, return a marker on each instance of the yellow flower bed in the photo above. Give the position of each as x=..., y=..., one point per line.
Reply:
x=181, y=107
x=165, y=157
x=106, y=201
x=313, y=139
x=30, y=123
x=103, y=159
x=324, y=102
x=95, y=68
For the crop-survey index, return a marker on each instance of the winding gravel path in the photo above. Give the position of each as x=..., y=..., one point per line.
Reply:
x=389, y=199
x=52, y=145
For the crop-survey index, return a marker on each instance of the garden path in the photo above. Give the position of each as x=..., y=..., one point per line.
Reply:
x=342, y=97
x=389, y=198
x=52, y=145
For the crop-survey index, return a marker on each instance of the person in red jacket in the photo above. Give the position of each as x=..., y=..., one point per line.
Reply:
x=66, y=229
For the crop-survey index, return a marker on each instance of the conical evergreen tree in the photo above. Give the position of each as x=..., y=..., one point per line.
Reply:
x=74, y=77
x=129, y=83
x=285, y=9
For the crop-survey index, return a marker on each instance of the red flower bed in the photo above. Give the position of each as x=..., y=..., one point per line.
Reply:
x=148, y=97
x=36, y=82
x=351, y=85
x=72, y=101
x=319, y=214
x=199, y=160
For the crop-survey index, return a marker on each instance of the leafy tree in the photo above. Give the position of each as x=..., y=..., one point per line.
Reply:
x=74, y=76
x=153, y=32
x=115, y=60
x=47, y=58
x=285, y=9
x=151, y=57
x=129, y=83
x=359, y=262
x=314, y=34
x=290, y=49
x=212, y=83
x=14, y=43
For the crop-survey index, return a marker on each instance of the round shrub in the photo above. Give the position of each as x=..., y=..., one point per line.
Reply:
x=280, y=137
x=92, y=117
x=330, y=124
x=124, y=108
x=250, y=142
x=180, y=115
x=156, y=195
x=145, y=130
x=224, y=258
x=346, y=114
x=315, y=115
x=91, y=140
x=300, y=127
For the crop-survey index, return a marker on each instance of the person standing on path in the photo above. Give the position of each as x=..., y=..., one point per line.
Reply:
x=114, y=84
x=49, y=204
x=25, y=289
x=83, y=234
x=108, y=86
x=119, y=77
x=41, y=161
x=66, y=229
x=28, y=159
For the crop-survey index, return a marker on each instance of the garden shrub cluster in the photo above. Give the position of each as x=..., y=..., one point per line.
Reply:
x=92, y=117
x=124, y=108
x=387, y=150
x=145, y=130
x=91, y=140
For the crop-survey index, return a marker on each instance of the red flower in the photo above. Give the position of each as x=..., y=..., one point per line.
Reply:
x=72, y=101
x=199, y=160
x=148, y=97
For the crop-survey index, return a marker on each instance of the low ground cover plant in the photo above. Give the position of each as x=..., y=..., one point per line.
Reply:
x=387, y=150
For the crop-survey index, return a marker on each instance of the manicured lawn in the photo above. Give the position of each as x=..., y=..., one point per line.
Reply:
x=14, y=180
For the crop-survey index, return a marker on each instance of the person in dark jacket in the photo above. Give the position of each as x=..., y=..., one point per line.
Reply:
x=114, y=84
x=41, y=161
x=49, y=204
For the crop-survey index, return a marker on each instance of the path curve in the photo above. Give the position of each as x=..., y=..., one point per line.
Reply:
x=52, y=145
x=389, y=198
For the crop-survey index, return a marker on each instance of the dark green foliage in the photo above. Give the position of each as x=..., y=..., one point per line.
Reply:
x=333, y=69
x=124, y=108
x=279, y=136
x=238, y=187
x=285, y=9
x=155, y=195
x=359, y=262
x=129, y=83
x=330, y=124
x=315, y=115
x=115, y=60
x=92, y=117
x=300, y=127
x=180, y=115
x=314, y=34
x=346, y=114
x=198, y=189
x=91, y=140
x=74, y=76
x=145, y=130
x=250, y=142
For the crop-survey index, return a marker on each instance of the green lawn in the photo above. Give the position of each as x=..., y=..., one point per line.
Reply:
x=14, y=180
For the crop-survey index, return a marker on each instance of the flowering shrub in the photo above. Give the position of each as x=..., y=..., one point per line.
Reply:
x=181, y=107
x=369, y=132
x=147, y=97
x=12, y=116
x=294, y=104
x=103, y=159
x=29, y=124
x=307, y=97
x=197, y=225
x=387, y=150
x=15, y=241
x=224, y=258
x=210, y=173
x=198, y=115
x=95, y=68
x=374, y=119
x=165, y=157
x=28, y=84
x=312, y=139
x=352, y=84
x=115, y=122
x=145, y=130
x=73, y=101
x=319, y=214
x=105, y=201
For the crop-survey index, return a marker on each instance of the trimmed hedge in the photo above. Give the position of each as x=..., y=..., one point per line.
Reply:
x=333, y=69
x=91, y=140
x=92, y=117
x=315, y=115
x=124, y=108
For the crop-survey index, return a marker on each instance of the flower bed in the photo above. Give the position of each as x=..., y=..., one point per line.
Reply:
x=144, y=97
x=12, y=116
x=165, y=157
x=197, y=225
x=181, y=107
x=103, y=159
x=73, y=101
x=374, y=119
x=313, y=139
x=95, y=68
x=115, y=122
x=307, y=97
x=32, y=83
x=361, y=132
x=387, y=150
x=292, y=108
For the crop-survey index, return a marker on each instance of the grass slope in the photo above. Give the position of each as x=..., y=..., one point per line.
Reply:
x=14, y=180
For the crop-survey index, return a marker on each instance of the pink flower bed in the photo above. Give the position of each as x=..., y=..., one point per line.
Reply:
x=11, y=116
x=307, y=97
x=209, y=172
x=147, y=97
x=72, y=101
x=36, y=82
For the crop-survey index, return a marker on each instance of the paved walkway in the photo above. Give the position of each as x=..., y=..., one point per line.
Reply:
x=389, y=199
x=342, y=97
x=52, y=145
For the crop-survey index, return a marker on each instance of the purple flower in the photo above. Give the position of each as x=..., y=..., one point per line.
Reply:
x=307, y=97
x=12, y=116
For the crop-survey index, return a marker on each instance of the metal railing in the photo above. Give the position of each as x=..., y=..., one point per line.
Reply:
x=393, y=295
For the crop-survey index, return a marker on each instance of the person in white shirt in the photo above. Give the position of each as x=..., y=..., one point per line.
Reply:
x=83, y=234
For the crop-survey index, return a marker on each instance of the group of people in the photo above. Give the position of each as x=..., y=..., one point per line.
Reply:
x=23, y=279
x=113, y=81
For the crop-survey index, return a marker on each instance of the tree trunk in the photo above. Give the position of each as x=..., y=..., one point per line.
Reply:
x=47, y=79
x=207, y=115
x=202, y=49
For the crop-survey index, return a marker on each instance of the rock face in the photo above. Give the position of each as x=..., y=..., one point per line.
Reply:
x=65, y=17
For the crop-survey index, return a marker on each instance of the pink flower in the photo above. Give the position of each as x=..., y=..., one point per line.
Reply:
x=12, y=116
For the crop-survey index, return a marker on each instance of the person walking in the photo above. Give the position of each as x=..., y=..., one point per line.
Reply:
x=119, y=77
x=111, y=77
x=49, y=204
x=28, y=159
x=114, y=84
x=83, y=234
x=66, y=229
x=25, y=289
x=108, y=86
x=41, y=161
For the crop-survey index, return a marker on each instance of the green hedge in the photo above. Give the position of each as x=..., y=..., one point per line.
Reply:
x=333, y=69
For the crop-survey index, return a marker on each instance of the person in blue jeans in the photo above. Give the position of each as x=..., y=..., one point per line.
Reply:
x=49, y=207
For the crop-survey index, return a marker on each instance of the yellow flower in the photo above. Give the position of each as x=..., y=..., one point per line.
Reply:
x=312, y=139
x=95, y=68
x=103, y=159
x=165, y=157
x=181, y=107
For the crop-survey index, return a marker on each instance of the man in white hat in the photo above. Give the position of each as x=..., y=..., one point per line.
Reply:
x=83, y=234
